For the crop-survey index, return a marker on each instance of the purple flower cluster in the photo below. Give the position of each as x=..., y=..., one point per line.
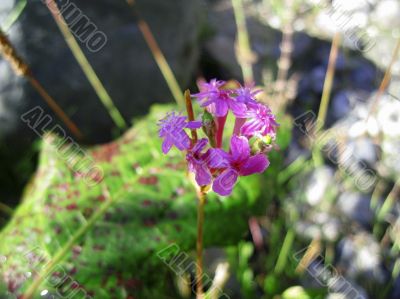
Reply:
x=215, y=166
x=172, y=130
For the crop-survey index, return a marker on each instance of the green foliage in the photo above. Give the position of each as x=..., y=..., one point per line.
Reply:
x=239, y=257
x=102, y=240
x=298, y=292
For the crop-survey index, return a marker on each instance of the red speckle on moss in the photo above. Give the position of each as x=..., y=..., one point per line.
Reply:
x=178, y=227
x=101, y=198
x=147, y=203
x=115, y=173
x=149, y=222
x=72, y=206
x=150, y=180
x=107, y=152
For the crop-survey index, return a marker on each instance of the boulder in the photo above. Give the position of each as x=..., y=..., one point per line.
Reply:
x=115, y=48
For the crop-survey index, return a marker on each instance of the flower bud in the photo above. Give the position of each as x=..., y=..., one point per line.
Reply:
x=209, y=127
x=262, y=144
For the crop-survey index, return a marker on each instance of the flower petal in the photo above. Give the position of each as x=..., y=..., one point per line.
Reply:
x=166, y=146
x=240, y=148
x=217, y=158
x=255, y=164
x=238, y=109
x=181, y=140
x=221, y=108
x=203, y=175
x=251, y=127
x=224, y=183
x=194, y=124
x=200, y=145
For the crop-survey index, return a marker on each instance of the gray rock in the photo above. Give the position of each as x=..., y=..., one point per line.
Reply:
x=396, y=289
x=363, y=149
x=356, y=207
x=319, y=225
x=340, y=105
x=221, y=45
x=125, y=64
x=360, y=257
x=338, y=286
x=318, y=184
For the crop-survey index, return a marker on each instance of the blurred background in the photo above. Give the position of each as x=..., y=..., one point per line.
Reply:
x=323, y=223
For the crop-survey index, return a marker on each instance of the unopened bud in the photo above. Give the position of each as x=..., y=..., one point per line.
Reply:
x=209, y=127
x=262, y=144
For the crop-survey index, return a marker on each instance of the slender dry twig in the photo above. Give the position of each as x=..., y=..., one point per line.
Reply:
x=328, y=83
x=244, y=54
x=330, y=74
x=386, y=79
x=21, y=68
x=86, y=66
x=285, y=60
x=313, y=250
x=159, y=57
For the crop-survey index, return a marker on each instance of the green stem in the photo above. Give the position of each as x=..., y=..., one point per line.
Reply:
x=14, y=15
x=86, y=66
x=389, y=201
x=283, y=255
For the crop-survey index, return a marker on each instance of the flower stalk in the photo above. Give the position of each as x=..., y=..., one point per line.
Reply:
x=189, y=110
x=201, y=194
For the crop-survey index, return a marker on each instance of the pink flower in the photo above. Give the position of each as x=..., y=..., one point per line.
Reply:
x=260, y=121
x=218, y=101
x=197, y=163
x=246, y=95
x=238, y=162
x=214, y=166
x=172, y=130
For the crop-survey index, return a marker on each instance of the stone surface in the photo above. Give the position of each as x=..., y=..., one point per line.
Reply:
x=361, y=257
x=124, y=65
x=319, y=182
x=356, y=207
x=221, y=45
